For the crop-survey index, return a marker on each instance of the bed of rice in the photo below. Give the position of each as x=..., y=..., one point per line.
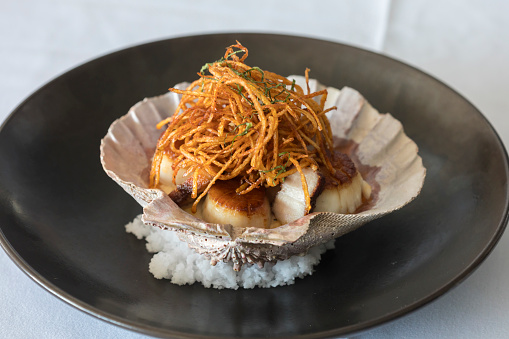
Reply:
x=175, y=261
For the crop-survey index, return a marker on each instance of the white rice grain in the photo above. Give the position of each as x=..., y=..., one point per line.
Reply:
x=175, y=261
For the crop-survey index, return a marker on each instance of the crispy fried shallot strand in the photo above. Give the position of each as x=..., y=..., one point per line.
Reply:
x=241, y=121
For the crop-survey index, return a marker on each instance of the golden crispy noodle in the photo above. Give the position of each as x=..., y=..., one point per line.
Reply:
x=241, y=121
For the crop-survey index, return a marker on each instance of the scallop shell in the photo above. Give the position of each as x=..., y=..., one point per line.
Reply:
x=376, y=142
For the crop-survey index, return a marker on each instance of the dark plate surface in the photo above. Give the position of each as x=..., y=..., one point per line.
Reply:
x=62, y=219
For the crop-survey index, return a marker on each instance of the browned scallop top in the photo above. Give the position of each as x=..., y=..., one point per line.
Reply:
x=345, y=169
x=182, y=195
x=224, y=194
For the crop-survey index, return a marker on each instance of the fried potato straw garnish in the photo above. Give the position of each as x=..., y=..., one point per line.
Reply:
x=241, y=121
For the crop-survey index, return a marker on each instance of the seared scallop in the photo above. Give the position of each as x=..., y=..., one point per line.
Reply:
x=340, y=192
x=344, y=198
x=180, y=191
x=223, y=205
x=290, y=202
x=344, y=189
x=166, y=175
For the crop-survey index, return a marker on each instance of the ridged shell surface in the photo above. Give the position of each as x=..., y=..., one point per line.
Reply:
x=387, y=159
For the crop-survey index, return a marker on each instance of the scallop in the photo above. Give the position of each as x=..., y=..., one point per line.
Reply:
x=289, y=203
x=180, y=190
x=389, y=167
x=223, y=205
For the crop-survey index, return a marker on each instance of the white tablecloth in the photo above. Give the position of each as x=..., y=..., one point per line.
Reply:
x=463, y=43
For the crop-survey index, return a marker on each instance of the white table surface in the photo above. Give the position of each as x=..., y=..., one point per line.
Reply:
x=463, y=43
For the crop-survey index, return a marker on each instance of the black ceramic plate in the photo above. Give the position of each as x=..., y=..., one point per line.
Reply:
x=62, y=219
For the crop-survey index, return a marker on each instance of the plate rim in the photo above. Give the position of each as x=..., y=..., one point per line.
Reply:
x=351, y=329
